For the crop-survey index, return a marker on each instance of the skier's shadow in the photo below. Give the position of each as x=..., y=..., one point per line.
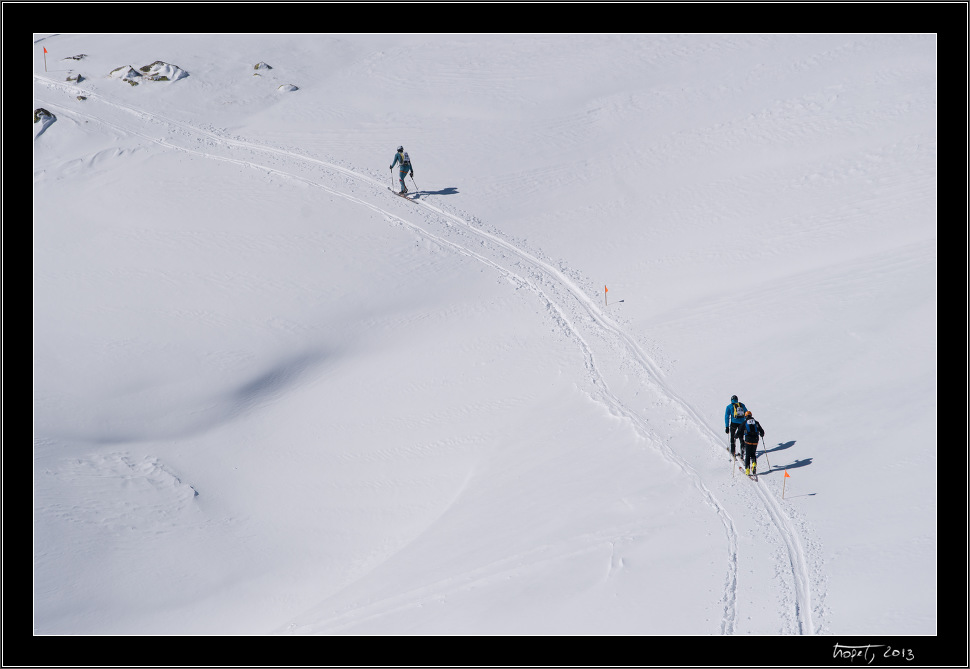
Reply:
x=781, y=447
x=798, y=463
x=451, y=190
x=793, y=465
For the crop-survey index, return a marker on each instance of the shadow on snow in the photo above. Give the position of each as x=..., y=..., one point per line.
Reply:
x=792, y=465
x=451, y=190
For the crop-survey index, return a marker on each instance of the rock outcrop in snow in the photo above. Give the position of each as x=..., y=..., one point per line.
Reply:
x=45, y=118
x=157, y=71
x=161, y=71
x=41, y=115
x=126, y=73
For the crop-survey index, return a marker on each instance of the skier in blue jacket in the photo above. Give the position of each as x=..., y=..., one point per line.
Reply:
x=734, y=420
x=404, y=159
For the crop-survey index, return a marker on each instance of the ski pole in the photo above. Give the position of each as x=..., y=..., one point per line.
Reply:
x=765, y=451
x=414, y=182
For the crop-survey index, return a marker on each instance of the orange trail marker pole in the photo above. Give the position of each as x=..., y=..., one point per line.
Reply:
x=783, y=482
x=45, y=59
x=606, y=300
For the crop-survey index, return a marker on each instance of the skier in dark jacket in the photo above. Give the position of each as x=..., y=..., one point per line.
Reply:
x=733, y=420
x=751, y=431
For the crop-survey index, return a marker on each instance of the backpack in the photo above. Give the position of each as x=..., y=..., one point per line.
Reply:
x=751, y=431
x=739, y=410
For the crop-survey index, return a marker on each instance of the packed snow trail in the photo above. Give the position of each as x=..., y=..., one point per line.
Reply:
x=575, y=313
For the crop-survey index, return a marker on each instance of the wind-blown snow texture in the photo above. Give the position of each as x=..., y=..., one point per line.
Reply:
x=272, y=397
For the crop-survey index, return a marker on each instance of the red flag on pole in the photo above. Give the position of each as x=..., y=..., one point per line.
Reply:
x=45, y=49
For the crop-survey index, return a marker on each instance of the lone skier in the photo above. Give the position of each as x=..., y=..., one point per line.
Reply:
x=752, y=431
x=734, y=420
x=404, y=159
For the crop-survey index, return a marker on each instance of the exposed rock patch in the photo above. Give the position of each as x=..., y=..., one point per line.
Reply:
x=157, y=71
x=41, y=115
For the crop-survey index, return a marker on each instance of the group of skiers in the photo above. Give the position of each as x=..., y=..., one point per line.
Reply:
x=738, y=421
x=741, y=425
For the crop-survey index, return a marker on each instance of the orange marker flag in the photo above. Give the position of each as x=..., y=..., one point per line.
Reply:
x=605, y=299
x=45, y=59
x=783, y=482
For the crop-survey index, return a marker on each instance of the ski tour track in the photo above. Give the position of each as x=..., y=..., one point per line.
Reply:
x=573, y=311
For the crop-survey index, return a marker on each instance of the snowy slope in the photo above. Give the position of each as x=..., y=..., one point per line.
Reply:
x=271, y=397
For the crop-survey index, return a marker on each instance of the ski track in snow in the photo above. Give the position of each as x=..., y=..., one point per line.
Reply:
x=575, y=313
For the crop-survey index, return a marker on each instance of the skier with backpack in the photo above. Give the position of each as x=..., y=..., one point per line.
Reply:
x=750, y=433
x=734, y=420
x=404, y=159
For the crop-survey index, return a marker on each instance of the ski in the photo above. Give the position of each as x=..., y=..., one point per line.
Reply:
x=400, y=194
x=753, y=477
